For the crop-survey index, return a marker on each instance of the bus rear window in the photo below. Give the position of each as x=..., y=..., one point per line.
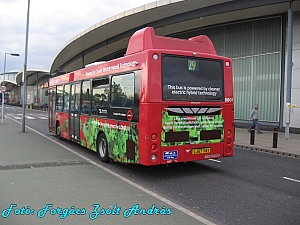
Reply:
x=192, y=79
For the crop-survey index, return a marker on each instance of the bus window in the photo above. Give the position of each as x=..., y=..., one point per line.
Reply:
x=59, y=98
x=190, y=79
x=85, y=94
x=66, y=97
x=100, y=90
x=122, y=91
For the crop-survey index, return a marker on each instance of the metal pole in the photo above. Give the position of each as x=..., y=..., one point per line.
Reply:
x=24, y=78
x=3, y=93
x=289, y=71
x=3, y=79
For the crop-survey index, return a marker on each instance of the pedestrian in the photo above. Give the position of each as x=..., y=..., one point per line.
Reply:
x=254, y=115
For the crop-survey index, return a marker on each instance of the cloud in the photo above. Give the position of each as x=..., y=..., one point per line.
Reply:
x=51, y=25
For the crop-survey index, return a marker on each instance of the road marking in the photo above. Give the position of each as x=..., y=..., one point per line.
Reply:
x=43, y=118
x=28, y=116
x=287, y=178
x=151, y=193
x=214, y=160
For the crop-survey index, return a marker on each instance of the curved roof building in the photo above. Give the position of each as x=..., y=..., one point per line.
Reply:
x=253, y=33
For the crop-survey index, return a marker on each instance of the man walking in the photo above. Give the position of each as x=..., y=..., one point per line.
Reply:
x=254, y=117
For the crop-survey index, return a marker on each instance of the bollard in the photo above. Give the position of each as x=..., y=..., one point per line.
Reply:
x=252, y=135
x=275, y=137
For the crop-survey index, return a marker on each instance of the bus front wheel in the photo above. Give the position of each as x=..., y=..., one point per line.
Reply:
x=58, y=131
x=103, y=148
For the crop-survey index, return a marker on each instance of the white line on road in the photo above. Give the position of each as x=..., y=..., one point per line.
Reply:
x=43, y=118
x=151, y=193
x=214, y=160
x=287, y=178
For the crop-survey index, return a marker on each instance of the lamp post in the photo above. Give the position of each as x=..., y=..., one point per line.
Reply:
x=3, y=78
x=24, y=78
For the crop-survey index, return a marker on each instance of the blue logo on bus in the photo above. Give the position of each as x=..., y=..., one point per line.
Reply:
x=170, y=155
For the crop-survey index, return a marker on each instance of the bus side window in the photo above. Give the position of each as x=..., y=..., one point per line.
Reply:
x=85, y=95
x=59, y=98
x=128, y=103
x=122, y=91
x=100, y=90
x=66, y=97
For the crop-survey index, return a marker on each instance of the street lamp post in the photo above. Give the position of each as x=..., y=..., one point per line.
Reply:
x=3, y=79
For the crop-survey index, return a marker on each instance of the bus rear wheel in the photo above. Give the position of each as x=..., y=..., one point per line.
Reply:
x=102, y=148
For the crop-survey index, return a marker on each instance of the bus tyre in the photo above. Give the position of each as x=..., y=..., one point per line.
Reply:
x=58, y=131
x=102, y=148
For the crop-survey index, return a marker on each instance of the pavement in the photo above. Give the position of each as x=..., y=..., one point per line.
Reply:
x=264, y=142
x=44, y=182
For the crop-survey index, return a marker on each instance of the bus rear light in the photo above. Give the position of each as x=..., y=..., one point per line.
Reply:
x=153, y=147
x=228, y=150
x=228, y=141
x=153, y=137
x=153, y=157
x=227, y=64
x=228, y=132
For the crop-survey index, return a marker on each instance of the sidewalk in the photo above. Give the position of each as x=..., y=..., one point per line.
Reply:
x=264, y=142
x=45, y=183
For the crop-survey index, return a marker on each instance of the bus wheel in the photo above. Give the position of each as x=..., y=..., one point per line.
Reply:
x=58, y=131
x=102, y=148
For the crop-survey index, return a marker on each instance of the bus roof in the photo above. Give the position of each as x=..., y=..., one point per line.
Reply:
x=141, y=40
x=146, y=39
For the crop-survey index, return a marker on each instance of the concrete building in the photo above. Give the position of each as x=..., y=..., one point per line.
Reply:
x=37, y=84
x=253, y=33
x=12, y=93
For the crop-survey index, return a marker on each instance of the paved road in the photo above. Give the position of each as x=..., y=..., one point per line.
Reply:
x=250, y=188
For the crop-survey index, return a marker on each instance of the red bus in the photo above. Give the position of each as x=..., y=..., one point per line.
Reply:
x=167, y=100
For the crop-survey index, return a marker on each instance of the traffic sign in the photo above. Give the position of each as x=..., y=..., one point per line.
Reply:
x=3, y=88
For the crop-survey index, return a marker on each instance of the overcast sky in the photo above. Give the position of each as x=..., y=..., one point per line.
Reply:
x=52, y=24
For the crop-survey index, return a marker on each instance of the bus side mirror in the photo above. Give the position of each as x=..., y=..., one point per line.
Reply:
x=46, y=93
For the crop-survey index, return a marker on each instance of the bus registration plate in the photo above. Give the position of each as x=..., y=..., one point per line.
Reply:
x=200, y=151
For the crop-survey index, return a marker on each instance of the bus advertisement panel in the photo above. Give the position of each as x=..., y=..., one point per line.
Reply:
x=167, y=100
